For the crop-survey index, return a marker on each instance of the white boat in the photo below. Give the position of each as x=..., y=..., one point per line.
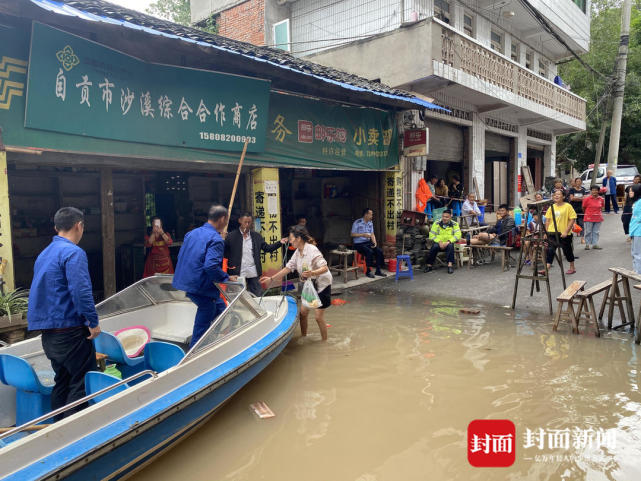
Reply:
x=165, y=395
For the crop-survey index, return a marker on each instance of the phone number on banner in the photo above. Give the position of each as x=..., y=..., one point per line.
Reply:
x=227, y=137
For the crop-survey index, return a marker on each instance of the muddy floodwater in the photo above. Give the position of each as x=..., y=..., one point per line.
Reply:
x=389, y=398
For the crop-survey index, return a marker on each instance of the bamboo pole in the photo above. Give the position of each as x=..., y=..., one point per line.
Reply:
x=233, y=192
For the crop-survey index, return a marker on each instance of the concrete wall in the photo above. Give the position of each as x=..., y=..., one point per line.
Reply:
x=569, y=19
x=202, y=9
x=396, y=58
x=275, y=13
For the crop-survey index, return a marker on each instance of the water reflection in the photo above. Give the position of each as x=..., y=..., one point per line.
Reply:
x=389, y=398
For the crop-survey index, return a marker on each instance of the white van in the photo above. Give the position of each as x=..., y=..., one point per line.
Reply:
x=624, y=175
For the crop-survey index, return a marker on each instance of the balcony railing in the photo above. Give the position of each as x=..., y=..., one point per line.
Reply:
x=475, y=59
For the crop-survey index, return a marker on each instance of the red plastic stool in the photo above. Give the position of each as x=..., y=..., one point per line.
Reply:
x=359, y=260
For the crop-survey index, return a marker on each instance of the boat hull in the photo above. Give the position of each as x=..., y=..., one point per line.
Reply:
x=131, y=449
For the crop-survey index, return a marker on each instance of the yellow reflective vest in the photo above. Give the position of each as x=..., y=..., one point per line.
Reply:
x=445, y=232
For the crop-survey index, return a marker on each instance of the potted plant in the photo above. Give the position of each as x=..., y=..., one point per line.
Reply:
x=13, y=306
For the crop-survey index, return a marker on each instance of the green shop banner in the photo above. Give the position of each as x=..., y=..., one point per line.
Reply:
x=314, y=133
x=78, y=87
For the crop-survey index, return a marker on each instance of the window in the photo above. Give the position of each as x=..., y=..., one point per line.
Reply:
x=581, y=4
x=528, y=60
x=442, y=10
x=543, y=68
x=281, y=35
x=514, y=51
x=496, y=40
x=468, y=25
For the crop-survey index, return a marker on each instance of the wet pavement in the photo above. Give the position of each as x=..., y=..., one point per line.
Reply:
x=488, y=284
x=390, y=395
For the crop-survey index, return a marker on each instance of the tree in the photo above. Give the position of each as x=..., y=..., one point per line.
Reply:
x=604, y=38
x=179, y=11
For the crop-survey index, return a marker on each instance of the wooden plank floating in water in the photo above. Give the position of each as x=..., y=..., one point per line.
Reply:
x=261, y=410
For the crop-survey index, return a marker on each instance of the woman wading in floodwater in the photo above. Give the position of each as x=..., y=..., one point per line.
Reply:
x=309, y=263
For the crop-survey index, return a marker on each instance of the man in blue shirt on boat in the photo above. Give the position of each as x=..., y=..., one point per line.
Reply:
x=365, y=242
x=61, y=305
x=200, y=264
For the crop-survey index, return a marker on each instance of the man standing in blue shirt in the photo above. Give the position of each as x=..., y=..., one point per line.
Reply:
x=365, y=242
x=61, y=305
x=610, y=184
x=200, y=264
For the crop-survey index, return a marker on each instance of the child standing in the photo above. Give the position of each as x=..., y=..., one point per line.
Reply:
x=592, y=217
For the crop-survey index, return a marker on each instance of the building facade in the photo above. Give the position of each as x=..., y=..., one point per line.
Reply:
x=130, y=116
x=492, y=64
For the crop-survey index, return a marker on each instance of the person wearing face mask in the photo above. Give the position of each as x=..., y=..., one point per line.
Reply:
x=243, y=248
x=635, y=227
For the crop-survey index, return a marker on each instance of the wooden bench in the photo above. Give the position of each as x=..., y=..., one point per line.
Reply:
x=586, y=310
x=565, y=310
x=504, y=250
x=621, y=275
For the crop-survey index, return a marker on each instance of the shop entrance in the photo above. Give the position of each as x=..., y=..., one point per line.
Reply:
x=535, y=163
x=331, y=201
x=180, y=199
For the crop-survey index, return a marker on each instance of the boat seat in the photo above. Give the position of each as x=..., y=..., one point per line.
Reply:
x=96, y=380
x=173, y=332
x=160, y=356
x=107, y=343
x=33, y=399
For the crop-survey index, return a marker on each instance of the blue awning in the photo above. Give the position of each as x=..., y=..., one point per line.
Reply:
x=65, y=9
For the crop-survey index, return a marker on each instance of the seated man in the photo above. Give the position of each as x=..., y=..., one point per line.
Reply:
x=444, y=234
x=470, y=209
x=499, y=232
x=365, y=242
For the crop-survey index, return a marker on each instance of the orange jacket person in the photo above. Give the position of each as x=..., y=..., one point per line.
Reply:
x=423, y=195
x=158, y=260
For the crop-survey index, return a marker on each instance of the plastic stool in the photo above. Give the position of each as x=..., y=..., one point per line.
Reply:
x=359, y=260
x=399, y=262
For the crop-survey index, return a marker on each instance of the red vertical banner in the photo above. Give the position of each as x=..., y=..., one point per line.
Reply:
x=519, y=183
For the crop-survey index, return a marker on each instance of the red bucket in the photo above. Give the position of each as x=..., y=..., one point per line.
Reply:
x=391, y=265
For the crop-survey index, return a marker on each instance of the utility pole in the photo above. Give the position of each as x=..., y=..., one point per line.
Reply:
x=599, y=145
x=619, y=86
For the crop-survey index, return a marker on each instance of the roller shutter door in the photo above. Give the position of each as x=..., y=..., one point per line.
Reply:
x=497, y=143
x=445, y=142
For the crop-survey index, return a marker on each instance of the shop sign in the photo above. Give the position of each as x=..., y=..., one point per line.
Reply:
x=393, y=203
x=266, y=208
x=415, y=142
x=79, y=87
x=334, y=134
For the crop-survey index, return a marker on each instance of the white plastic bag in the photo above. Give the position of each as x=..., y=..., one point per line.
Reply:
x=309, y=296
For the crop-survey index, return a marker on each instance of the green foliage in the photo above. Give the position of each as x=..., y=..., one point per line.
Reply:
x=604, y=44
x=14, y=302
x=178, y=11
